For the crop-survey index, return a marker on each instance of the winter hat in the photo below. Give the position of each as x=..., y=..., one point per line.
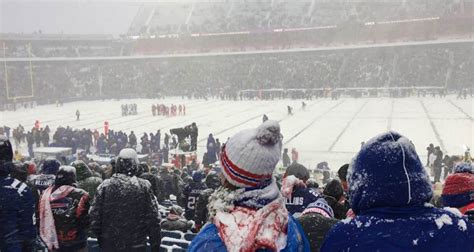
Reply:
x=6, y=150
x=250, y=156
x=65, y=176
x=31, y=167
x=50, y=166
x=20, y=171
x=297, y=170
x=320, y=206
x=198, y=176
x=458, y=190
x=387, y=172
x=463, y=167
x=212, y=180
x=175, y=209
x=82, y=170
x=127, y=162
x=342, y=172
x=334, y=189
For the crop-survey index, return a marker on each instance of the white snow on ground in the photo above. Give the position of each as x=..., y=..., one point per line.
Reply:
x=327, y=130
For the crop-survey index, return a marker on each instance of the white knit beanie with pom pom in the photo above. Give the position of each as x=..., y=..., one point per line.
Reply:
x=250, y=156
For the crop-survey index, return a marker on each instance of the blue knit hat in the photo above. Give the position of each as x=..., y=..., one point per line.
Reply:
x=50, y=166
x=387, y=172
x=320, y=206
x=463, y=167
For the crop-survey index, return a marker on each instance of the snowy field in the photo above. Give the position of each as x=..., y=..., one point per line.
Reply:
x=325, y=131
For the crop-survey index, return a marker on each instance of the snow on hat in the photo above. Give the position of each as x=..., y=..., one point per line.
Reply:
x=458, y=190
x=50, y=166
x=463, y=167
x=387, y=172
x=250, y=156
x=6, y=151
x=66, y=175
x=320, y=206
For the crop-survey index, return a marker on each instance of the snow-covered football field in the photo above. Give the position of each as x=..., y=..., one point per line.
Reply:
x=326, y=130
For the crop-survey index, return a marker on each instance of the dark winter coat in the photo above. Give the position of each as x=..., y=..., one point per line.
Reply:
x=286, y=159
x=176, y=223
x=301, y=197
x=191, y=195
x=156, y=185
x=124, y=213
x=316, y=227
x=169, y=185
x=71, y=219
x=16, y=215
x=86, y=180
x=389, y=191
x=201, y=212
x=332, y=193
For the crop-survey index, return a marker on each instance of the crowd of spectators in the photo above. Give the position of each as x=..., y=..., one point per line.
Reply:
x=237, y=16
x=437, y=65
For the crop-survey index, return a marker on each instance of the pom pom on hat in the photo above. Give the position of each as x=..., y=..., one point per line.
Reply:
x=250, y=156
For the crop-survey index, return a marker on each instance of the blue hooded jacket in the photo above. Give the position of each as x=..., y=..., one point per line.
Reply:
x=209, y=240
x=390, y=191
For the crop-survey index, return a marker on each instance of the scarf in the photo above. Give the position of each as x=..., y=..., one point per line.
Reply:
x=249, y=219
x=47, y=226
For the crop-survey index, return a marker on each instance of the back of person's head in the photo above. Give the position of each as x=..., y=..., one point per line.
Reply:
x=249, y=157
x=19, y=171
x=342, y=172
x=463, y=167
x=66, y=176
x=50, y=166
x=198, y=176
x=127, y=162
x=320, y=206
x=175, y=209
x=458, y=190
x=312, y=183
x=82, y=170
x=297, y=170
x=334, y=189
x=212, y=180
x=6, y=156
x=387, y=172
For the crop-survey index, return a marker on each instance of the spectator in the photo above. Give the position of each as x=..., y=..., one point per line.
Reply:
x=64, y=213
x=17, y=231
x=86, y=179
x=286, y=158
x=47, y=174
x=201, y=213
x=125, y=211
x=316, y=220
x=294, y=189
x=389, y=191
x=458, y=190
x=175, y=220
x=334, y=195
x=248, y=212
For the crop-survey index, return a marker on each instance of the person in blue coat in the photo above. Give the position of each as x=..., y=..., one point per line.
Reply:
x=17, y=207
x=248, y=212
x=298, y=195
x=389, y=191
x=211, y=149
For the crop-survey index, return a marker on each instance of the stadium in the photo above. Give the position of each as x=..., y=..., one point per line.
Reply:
x=87, y=75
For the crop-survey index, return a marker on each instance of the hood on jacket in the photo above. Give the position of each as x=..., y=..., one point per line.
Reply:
x=387, y=172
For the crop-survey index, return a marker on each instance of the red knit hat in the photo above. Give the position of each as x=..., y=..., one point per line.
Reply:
x=458, y=190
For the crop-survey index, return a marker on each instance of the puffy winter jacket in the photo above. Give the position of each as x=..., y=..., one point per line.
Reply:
x=71, y=218
x=174, y=222
x=16, y=215
x=124, y=213
x=209, y=240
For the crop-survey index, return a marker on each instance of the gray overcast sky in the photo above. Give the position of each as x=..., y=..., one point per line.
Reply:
x=68, y=17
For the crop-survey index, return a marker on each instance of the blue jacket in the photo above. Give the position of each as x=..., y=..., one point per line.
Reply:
x=16, y=215
x=389, y=190
x=301, y=197
x=402, y=229
x=209, y=240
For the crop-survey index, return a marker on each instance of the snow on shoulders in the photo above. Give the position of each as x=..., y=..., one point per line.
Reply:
x=346, y=220
x=68, y=169
x=415, y=242
x=427, y=204
x=442, y=220
x=453, y=210
x=462, y=225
